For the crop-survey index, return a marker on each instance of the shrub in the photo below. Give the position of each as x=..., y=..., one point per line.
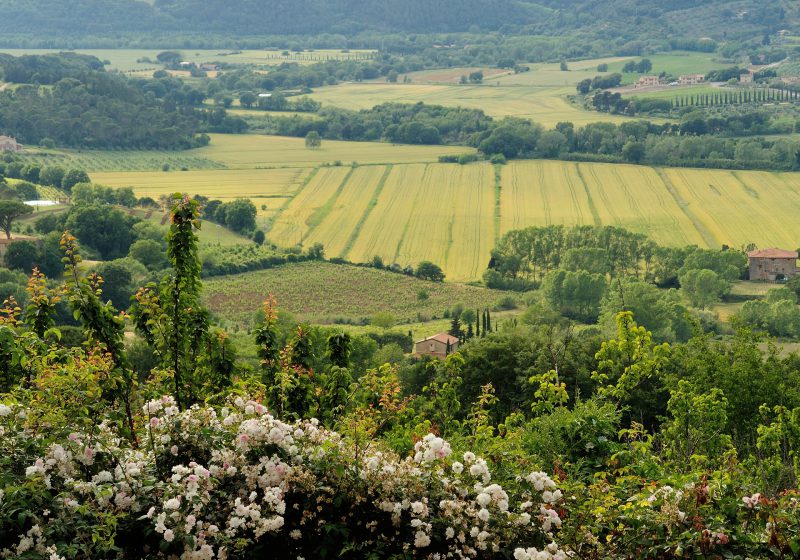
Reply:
x=205, y=479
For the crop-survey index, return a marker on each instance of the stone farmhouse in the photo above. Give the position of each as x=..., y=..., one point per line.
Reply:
x=8, y=144
x=772, y=264
x=746, y=78
x=691, y=79
x=646, y=81
x=439, y=346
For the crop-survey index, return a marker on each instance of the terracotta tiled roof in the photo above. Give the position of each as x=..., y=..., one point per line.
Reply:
x=772, y=253
x=444, y=338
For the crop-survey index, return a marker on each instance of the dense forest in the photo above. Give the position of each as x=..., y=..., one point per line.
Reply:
x=69, y=100
x=85, y=18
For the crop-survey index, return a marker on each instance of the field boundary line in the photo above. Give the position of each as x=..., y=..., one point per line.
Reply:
x=498, y=196
x=289, y=199
x=753, y=193
x=704, y=232
x=362, y=220
x=548, y=215
x=319, y=215
x=573, y=195
x=592, y=207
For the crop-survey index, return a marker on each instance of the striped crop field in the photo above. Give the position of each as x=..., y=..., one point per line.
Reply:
x=527, y=191
x=443, y=213
x=292, y=225
x=741, y=207
x=452, y=215
x=636, y=198
x=271, y=187
x=338, y=218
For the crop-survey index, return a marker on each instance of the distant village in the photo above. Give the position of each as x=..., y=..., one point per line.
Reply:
x=687, y=80
x=9, y=144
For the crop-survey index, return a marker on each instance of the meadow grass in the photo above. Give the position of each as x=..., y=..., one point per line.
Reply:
x=541, y=94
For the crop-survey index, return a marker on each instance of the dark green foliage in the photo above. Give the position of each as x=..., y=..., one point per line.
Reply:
x=316, y=252
x=26, y=191
x=102, y=326
x=427, y=270
x=97, y=109
x=395, y=122
x=238, y=215
x=22, y=255
x=72, y=178
x=105, y=229
x=584, y=436
x=455, y=327
x=10, y=210
x=512, y=138
x=660, y=311
x=51, y=222
x=118, y=285
x=576, y=295
x=339, y=348
x=530, y=253
x=150, y=253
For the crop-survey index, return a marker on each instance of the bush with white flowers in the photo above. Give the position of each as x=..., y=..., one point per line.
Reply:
x=239, y=483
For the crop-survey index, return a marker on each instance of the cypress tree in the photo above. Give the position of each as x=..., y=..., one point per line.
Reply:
x=455, y=327
x=488, y=321
x=477, y=323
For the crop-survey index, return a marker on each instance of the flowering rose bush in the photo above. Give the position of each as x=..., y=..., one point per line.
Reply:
x=239, y=483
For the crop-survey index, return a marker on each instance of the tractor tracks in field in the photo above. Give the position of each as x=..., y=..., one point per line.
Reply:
x=592, y=208
x=370, y=207
x=708, y=237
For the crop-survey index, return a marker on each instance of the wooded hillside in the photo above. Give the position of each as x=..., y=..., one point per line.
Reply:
x=102, y=18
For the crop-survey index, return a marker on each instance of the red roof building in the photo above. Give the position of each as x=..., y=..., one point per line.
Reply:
x=772, y=264
x=439, y=346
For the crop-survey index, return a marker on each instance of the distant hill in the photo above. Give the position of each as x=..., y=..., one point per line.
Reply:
x=602, y=18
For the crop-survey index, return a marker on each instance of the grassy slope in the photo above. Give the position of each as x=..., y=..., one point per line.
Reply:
x=324, y=292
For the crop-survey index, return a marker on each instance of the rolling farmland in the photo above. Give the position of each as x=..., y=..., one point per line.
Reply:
x=452, y=215
x=546, y=105
x=400, y=204
x=540, y=94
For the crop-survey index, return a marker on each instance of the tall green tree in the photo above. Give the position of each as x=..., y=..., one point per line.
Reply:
x=171, y=317
x=10, y=210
